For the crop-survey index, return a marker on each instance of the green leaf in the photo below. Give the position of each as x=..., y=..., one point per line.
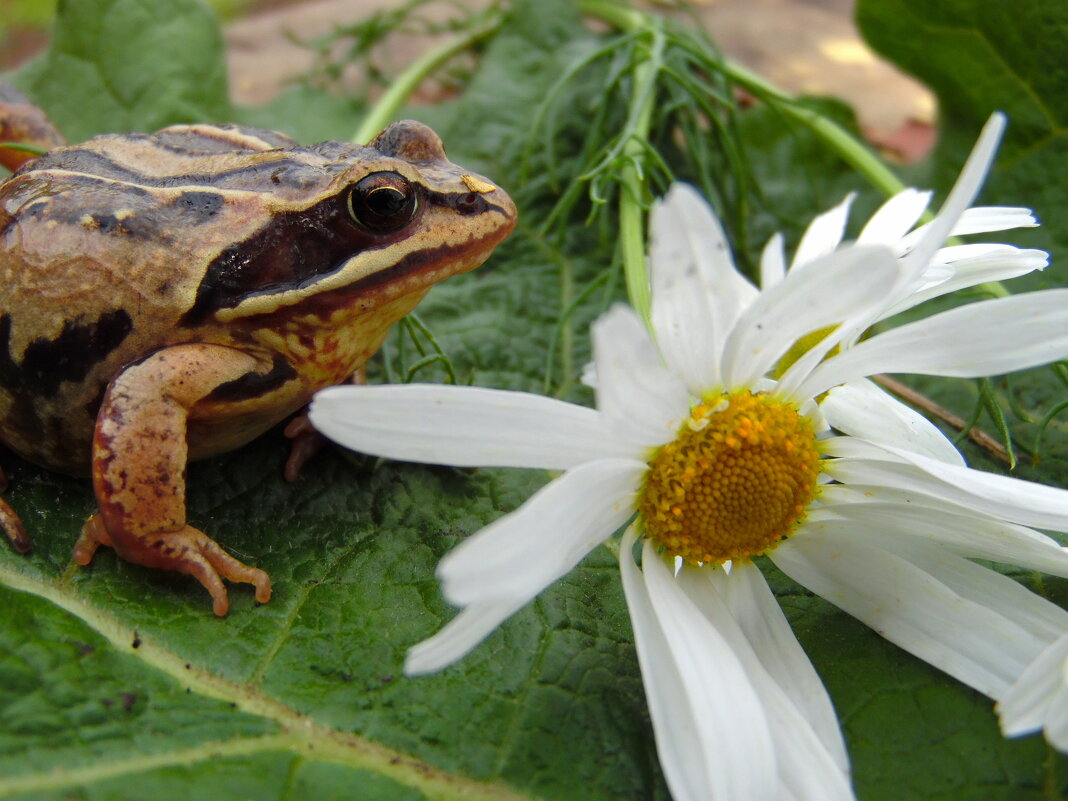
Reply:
x=307, y=114
x=979, y=56
x=127, y=65
x=116, y=681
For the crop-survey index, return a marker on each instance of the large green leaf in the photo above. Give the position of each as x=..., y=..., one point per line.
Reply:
x=127, y=65
x=117, y=681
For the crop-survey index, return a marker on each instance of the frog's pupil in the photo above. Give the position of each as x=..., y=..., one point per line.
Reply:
x=382, y=202
x=386, y=200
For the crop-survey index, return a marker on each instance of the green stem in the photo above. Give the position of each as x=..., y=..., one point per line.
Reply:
x=852, y=151
x=628, y=20
x=632, y=174
x=24, y=147
x=618, y=16
x=405, y=84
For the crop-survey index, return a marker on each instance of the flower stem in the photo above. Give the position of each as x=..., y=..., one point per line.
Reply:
x=405, y=84
x=851, y=150
x=632, y=176
x=632, y=173
x=24, y=147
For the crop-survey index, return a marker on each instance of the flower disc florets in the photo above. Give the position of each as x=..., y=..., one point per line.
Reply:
x=735, y=481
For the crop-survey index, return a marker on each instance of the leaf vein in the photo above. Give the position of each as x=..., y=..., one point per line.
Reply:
x=300, y=734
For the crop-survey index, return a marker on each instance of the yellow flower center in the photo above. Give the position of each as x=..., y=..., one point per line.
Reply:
x=736, y=480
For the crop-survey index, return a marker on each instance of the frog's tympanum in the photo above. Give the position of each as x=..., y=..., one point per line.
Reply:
x=170, y=296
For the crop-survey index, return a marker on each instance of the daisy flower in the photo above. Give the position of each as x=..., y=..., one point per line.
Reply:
x=745, y=426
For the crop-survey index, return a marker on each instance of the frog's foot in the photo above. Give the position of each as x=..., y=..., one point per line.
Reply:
x=12, y=525
x=140, y=452
x=188, y=550
x=305, y=443
x=92, y=537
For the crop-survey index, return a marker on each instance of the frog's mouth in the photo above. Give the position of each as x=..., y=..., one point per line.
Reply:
x=282, y=267
x=416, y=271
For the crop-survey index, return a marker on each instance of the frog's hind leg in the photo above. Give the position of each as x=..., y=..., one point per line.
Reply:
x=139, y=459
x=305, y=441
x=11, y=523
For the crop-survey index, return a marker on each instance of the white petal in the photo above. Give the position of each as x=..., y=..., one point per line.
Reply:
x=1026, y=704
x=834, y=493
x=459, y=636
x=823, y=235
x=895, y=218
x=1033, y=614
x=861, y=409
x=970, y=265
x=464, y=426
x=676, y=722
x=711, y=731
x=520, y=554
x=772, y=262
x=966, y=534
x=910, y=607
x=636, y=393
x=985, y=219
x=843, y=285
x=985, y=338
x=954, y=256
x=979, y=220
x=1012, y=499
x=697, y=292
x=934, y=234
x=810, y=767
x=765, y=628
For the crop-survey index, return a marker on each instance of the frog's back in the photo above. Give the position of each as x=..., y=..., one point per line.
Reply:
x=103, y=246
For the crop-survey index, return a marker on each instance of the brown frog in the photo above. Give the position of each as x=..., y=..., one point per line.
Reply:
x=169, y=296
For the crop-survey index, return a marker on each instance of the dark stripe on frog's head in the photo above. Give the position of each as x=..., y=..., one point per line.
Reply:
x=295, y=248
x=299, y=249
x=77, y=349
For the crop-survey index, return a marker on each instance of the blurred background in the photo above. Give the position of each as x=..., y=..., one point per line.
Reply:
x=803, y=46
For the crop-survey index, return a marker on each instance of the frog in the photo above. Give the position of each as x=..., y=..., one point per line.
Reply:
x=170, y=296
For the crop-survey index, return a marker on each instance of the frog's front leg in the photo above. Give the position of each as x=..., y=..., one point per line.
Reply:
x=139, y=459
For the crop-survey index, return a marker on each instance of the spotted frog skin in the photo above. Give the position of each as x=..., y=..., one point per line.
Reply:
x=171, y=296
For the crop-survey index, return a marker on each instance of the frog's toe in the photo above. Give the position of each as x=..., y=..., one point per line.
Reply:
x=92, y=537
x=12, y=525
x=305, y=442
x=188, y=550
x=191, y=551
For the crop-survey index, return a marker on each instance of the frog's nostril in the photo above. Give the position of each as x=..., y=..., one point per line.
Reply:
x=469, y=203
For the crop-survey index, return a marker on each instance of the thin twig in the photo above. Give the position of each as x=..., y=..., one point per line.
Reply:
x=932, y=409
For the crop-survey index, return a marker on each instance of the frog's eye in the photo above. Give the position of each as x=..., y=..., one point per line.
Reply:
x=382, y=202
